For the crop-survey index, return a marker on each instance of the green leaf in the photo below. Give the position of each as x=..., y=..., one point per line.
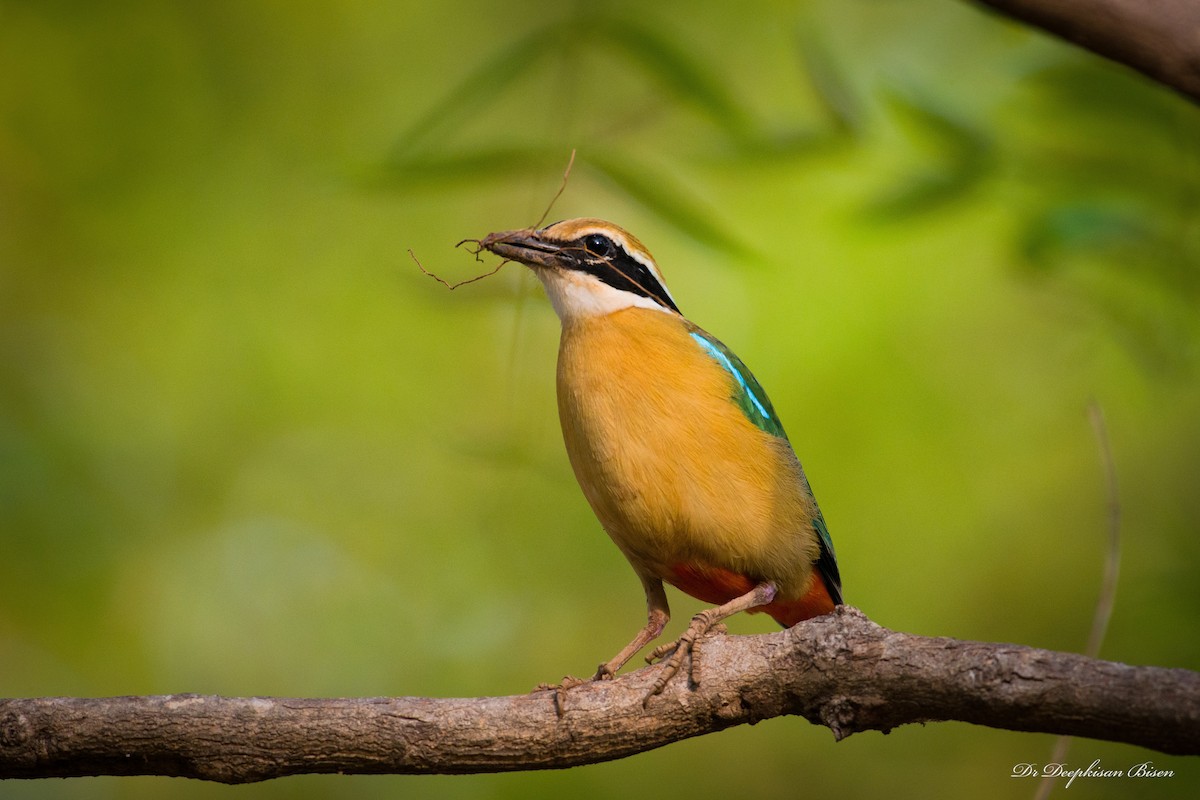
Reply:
x=481, y=87
x=683, y=75
x=963, y=157
x=669, y=201
x=470, y=166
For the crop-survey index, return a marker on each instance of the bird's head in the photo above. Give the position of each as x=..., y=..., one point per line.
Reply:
x=588, y=266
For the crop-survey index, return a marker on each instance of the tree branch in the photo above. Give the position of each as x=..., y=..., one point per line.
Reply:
x=841, y=670
x=1159, y=38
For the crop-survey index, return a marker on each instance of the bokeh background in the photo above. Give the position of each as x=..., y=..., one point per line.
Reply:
x=246, y=447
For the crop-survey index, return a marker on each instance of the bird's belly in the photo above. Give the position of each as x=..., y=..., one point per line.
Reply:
x=685, y=504
x=662, y=510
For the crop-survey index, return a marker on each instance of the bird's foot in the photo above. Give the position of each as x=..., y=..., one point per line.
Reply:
x=568, y=682
x=604, y=672
x=663, y=650
x=560, y=692
x=706, y=623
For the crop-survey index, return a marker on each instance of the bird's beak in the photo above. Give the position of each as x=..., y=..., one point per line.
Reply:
x=524, y=246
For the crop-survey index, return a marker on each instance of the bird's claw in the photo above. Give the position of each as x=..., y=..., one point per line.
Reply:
x=702, y=626
x=661, y=652
x=568, y=682
x=603, y=673
x=559, y=691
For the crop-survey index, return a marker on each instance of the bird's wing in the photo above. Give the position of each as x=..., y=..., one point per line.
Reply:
x=754, y=403
x=827, y=564
x=748, y=394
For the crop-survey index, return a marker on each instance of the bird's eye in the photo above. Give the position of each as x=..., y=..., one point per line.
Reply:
x=599, y=246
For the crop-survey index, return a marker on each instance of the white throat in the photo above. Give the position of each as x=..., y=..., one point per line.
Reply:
x=576, y=294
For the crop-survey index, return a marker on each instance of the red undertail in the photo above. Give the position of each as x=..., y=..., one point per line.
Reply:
x=715, y=585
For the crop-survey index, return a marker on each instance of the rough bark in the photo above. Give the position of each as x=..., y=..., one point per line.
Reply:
x=1159, y=38
x=842, y=671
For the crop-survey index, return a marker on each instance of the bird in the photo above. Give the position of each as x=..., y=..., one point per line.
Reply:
x=673, y=441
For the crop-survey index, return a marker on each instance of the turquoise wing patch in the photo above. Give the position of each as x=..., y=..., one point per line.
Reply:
x=748, y=394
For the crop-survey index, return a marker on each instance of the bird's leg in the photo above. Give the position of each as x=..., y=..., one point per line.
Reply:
x=658, y=613
x=760, y=595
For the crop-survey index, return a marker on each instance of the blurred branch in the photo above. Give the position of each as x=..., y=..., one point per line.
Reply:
x=841, y=670
x=1159, y=38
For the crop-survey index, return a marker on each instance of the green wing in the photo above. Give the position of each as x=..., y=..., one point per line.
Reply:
x=748, y=394
x=754, y=403
x=827, y=561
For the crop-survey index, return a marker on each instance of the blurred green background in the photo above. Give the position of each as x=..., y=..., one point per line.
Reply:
x=247, y=448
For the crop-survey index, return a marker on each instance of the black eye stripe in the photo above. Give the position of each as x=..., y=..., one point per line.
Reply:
x=618, y=269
